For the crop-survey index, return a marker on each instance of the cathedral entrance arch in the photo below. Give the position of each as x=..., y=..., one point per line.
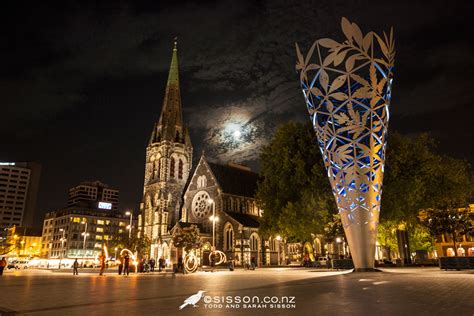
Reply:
x=206, y=251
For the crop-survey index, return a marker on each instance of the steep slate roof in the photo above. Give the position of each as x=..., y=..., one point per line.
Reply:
x=234, y=180
x=245, y=219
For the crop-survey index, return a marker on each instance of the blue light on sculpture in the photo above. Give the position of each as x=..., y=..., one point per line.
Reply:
x=347, y=88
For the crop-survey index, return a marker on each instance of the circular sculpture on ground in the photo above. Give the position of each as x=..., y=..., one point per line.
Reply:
x=201, y=207
x=220, y=257
x=191, y=263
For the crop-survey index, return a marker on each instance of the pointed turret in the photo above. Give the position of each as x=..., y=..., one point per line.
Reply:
x=170, y=126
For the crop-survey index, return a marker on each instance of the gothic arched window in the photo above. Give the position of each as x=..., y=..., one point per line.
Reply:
x=172, y=167
x=228, y=237
x=180, y=169
x=254, y=242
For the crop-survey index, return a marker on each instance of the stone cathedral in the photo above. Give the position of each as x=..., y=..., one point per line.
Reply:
x=168, y=162
x=176, y=195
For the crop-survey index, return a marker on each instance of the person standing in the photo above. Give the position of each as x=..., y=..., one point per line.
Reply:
x=160, y=264
x=120, y=266
x=102, y=263
x=75, y=265
x=126, y=264
x=3, y=264
x=213, y=261
x=152, y=265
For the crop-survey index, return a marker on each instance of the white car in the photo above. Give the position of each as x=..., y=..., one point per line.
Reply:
x=19, y=264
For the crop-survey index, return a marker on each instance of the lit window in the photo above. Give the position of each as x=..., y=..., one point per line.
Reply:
x=100, y=222
x=98, y=237
x=99, y=230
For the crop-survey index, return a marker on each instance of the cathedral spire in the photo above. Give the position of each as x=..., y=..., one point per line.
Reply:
x=170, y=125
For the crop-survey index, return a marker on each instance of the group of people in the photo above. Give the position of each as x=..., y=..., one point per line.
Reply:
x=143, y=265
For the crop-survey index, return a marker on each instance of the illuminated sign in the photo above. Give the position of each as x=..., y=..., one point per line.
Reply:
x=105, y=205
x=7, y=163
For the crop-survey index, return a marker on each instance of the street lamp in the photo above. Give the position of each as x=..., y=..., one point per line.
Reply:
x=62, y=245
x=214, y=219
x=338, y=241
x=85, y=234
x=116, y=253
x=278, y=237
x=128, y=213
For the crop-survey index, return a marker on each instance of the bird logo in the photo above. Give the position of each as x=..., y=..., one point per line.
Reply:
x=192, y=300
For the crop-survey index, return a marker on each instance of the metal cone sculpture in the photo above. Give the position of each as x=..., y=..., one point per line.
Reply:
x=347, y=87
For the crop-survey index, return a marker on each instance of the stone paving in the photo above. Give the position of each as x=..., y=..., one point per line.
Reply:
x=396, y=291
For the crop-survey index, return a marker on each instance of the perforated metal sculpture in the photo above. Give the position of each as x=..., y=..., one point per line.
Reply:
x=347, y=87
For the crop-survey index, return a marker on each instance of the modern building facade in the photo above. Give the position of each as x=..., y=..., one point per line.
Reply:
x=76, y=232
x=19, y=184
x=93, y=194
x=89, y=222
x=168, y=163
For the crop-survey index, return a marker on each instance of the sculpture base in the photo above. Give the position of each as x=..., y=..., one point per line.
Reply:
x=367, y=270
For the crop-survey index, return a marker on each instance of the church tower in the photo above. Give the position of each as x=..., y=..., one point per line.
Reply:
x=168, y=163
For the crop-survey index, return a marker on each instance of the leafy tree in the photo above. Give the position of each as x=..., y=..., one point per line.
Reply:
x=187, y=238
x=141, y=245
x=7, y=245
x=455, y=223
x=334, y=229
x=294, y=190
x=418, y=178
x=421, y=238
x=387, y=237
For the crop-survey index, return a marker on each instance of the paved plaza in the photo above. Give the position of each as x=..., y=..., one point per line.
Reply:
x=397, y=291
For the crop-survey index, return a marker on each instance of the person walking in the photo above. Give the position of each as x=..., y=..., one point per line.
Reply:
x=120, y=266
x=75, y=265
x=3, y=264
x=102, y=263
x=126, y=264
x=252, y=263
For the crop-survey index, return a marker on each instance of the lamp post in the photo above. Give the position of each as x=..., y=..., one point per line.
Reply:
x=116, y=253
x=85, y=234
x=63, y=238
x=278, y=238
x=338, y=241
x=128, y=213
x=213, y=219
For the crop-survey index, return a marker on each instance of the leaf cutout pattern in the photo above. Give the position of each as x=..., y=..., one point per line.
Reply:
x=347, y=86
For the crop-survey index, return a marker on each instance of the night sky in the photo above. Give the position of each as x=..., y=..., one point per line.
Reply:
x=82, y=85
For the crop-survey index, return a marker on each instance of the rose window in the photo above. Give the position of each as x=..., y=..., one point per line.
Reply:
x=201, y=207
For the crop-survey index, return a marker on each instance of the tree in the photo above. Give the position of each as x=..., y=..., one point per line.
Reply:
x=417, y=178
x=387, y=237
x=421, y=238
x=333, y=229
x=187, y=238
x=294, y=191
x=141, y=245
x=7, y=245
x=455, y=223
